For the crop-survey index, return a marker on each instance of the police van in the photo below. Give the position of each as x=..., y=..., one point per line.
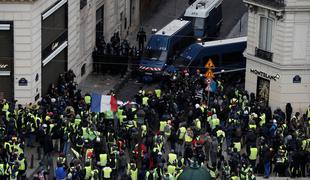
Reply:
x=163, y=46
x=206, y=18
x=227, y=56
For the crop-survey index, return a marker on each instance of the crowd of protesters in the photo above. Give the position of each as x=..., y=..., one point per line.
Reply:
x=163, y=132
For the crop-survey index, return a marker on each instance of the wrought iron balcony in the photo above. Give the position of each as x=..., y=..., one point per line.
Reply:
x=263, y=54
x=269, y=4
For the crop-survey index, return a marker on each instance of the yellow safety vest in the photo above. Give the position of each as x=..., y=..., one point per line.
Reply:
x=162, y=125
x=87, y=99
x=134, y=174
x=103, y=159
x=198, y=124
x=188, y=138
x=22, y=165
x=253, y=153
x=237, y=145
x=77, y=122
x=234, y=178
x=167, y=130
x=263, y=119
x=172, y=157
x=85, y=133
x=252, y=126
x=2, y=169
x=107, y=172
x=220, y=133
x=212, y=174
x=171, y=169
x=5, y=107
x=215, y=122
x=158, y=93
x=144, y=130
x=145, y=101
x=88, y=172
x=182, y=133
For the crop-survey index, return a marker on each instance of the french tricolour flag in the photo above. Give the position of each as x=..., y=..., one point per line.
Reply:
x=102, y=103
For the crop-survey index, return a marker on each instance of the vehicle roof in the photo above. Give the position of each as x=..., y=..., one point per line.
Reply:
x=201, y=8
x=197, y=49
x=224, y=41
x=173, y=27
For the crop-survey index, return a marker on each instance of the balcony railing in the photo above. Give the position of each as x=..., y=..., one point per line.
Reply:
x=274, y=4
x=266, y=55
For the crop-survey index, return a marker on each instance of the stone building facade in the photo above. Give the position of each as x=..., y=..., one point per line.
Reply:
x=41, y=39
x=278, y=52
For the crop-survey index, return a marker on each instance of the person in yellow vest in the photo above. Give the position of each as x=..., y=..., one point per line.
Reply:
x=5, y=106
x=167, y=130
x=87, y=171
x=189, y=136
x=214, y=121
x=158, y=93
x=107, y=172
x=13, y=171
x=234, y=176
x=133, y=172
x=22, y=166
x=103, y=160
x=145, y=101
x=237, y=145
x=197, y=124
x=253, y=152
x=251, y=175
x=262, y=118
x=212, y=171
x=87, y=99
x=162, y=125
x=171, y=168
x=167, y=175
x=180, y=135
x=252, y=125
x=244, y=171
x=172, y=157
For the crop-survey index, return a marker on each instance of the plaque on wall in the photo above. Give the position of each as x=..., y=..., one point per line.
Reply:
x=23, y=82
x=297, y=79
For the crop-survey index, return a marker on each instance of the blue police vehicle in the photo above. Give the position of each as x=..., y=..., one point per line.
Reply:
x=206, y=18
x=163, y=46
x=227, y=56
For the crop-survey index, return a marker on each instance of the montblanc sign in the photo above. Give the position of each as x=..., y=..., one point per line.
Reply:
x=265, y=75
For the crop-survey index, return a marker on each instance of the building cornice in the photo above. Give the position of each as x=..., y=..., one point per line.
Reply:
x=274, y=5
x=253, y=58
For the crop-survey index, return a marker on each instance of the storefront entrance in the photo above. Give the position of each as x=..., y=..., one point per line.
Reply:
x=6, y=61
x=262, y=91
x=54, y=44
